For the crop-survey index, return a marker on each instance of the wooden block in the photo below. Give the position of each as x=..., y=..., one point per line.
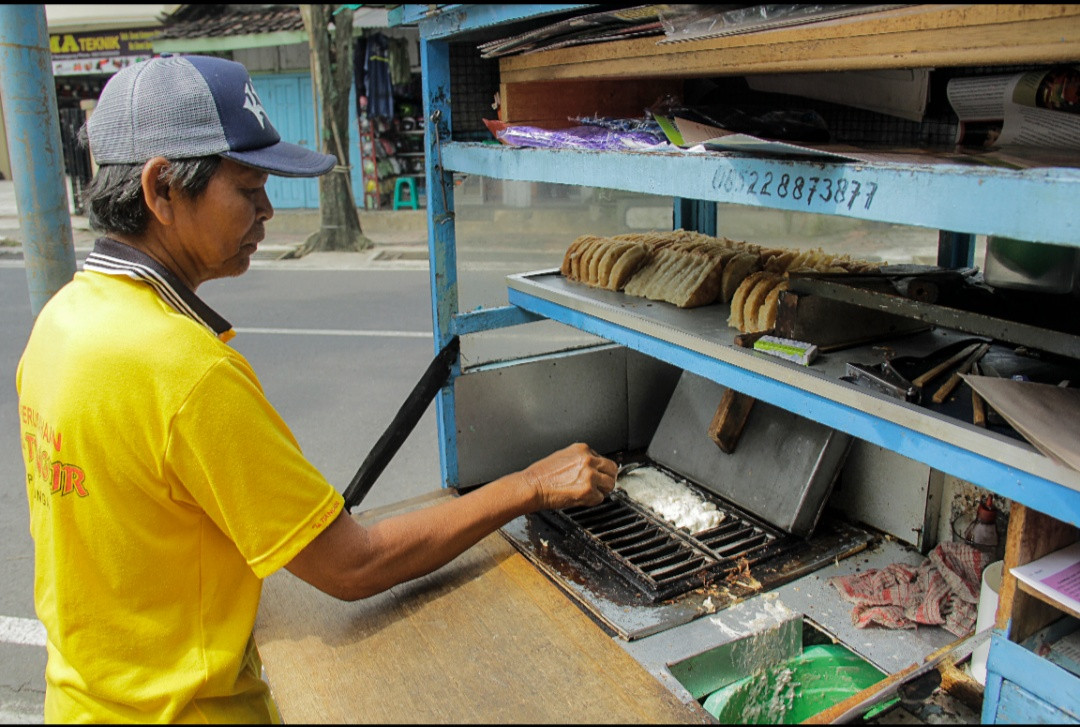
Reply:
x=730, y=419
x=747, y=340
x=833, y=324
x=550, y=104
x=960, y=685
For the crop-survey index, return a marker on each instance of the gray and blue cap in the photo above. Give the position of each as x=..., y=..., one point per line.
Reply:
x=192, y=106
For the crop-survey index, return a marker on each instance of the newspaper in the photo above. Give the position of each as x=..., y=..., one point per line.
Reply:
x=699, y=22
x=605, y=25
x=694, y=136
x=1033, y=109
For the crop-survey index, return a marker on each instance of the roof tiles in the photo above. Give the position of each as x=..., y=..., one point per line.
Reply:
x=215, y=21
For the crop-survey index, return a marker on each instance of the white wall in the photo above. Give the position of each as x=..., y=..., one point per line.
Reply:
x=75, y=17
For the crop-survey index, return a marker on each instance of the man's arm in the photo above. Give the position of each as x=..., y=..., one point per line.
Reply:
x=350, y=562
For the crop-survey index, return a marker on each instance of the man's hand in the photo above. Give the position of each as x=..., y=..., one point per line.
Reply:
x=570, y=477
x=349, y=561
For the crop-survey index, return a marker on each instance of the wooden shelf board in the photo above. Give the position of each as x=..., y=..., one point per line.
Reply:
x=1046, y=599
x=916, y=36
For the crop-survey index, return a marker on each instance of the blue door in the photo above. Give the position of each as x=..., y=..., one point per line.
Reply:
x=288, y=102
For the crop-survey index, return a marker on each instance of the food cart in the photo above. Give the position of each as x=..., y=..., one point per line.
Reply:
x=552, y=619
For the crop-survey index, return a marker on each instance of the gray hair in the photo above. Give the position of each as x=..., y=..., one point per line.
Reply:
x=114, y=199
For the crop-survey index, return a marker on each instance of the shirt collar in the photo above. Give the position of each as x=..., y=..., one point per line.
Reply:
x=112, y=257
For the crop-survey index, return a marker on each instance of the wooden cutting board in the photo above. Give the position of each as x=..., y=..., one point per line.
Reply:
x=487, y=638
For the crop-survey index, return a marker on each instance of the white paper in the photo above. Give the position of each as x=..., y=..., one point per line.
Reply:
x=981, y=98
x=1056, y=575
x=694, y=133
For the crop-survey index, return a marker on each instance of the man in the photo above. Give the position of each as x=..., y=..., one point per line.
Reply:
x=162, y=485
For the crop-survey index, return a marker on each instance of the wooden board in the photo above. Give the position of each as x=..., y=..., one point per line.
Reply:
x=834, y=324
x=919, y=36
x=486, y=639
x=550, y=104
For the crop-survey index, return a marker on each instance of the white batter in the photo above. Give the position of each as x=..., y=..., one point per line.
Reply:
x=670, y=499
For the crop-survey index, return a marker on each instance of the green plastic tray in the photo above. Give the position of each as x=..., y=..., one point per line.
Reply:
x=788, y=693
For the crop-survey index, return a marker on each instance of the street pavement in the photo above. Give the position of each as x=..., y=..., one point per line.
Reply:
x=405, y=231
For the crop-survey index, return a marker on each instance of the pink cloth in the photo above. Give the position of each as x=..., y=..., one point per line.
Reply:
x=943, y=590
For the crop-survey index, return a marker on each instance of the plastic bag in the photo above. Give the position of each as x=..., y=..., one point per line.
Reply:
x=585, y=137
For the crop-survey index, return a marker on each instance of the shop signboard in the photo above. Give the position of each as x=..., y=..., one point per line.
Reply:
x=101, y=51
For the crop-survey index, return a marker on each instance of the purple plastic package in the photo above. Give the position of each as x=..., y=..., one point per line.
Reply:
x=589, y=138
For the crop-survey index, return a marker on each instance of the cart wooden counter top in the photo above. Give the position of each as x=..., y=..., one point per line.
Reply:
x=487, y=638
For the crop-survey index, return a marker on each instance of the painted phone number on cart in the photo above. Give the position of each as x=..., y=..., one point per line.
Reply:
x=842, y=191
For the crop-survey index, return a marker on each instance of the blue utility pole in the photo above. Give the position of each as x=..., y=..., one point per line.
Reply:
x=37, y=160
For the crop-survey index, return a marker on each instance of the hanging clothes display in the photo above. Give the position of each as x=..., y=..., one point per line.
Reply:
x=388, y=106
x=380, y=91
x=360, y=70
x=400, y=71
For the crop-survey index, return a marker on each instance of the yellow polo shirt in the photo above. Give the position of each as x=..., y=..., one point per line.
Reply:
x=163, y=487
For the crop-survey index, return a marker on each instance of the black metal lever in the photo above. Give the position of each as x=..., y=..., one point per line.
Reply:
x=433, y=379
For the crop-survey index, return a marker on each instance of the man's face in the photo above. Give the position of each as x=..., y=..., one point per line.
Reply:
x=221, y=228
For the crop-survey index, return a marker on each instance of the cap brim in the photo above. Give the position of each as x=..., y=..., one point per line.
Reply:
x=285, y=160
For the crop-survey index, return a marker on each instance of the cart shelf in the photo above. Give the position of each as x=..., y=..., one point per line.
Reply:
x=695, y=340
x=974, y=199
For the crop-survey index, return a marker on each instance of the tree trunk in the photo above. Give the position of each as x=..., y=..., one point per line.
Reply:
x=332, y=77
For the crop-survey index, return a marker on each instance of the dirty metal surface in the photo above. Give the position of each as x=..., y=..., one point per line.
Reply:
x=598, y=587
x=781, y=471
x=888, y=649
x=661, y=561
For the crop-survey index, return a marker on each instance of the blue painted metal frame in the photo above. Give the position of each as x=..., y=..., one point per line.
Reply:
x=955, y=249
x=961, y=200
x=442, y=242
x=1009, y=661
x=487, y=319
x=1016, y=484
x=964, y=198
x=695, y=214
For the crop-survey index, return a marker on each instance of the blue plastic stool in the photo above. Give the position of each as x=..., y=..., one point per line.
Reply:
x=399, y=185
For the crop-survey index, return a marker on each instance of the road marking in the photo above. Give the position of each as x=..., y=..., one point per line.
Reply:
x=336, y=332
x=15, y=713
x=24, y=631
